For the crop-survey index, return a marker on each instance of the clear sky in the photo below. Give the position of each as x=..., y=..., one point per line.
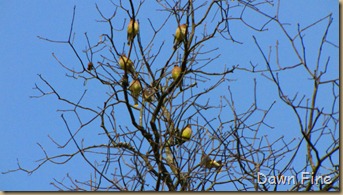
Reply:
x=26, y=121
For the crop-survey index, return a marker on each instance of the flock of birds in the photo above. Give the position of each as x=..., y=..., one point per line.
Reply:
x=135, y=86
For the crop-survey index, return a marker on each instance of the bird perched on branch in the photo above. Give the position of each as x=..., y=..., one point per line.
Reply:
x=132, y=30
x=148, y=94
x=180, y=35
x=90, y=66
x=209, y=163
x=176, y=72
x=184, y=135
x=135, y=88
x=126, y=64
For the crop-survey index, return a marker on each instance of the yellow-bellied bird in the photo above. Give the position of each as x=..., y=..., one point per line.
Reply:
x=185, y=135
x=180, y=35
x=132, y=30
x=135, y=88
x=126, y=63
x=209, y=163
x=176, y=72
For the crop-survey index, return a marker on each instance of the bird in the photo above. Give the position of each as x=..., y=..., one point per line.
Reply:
x=135, y=88
x=209, y=163
x=148, y=94
x=126, y=64
x=184, y=135
x=176, y=72
x=180, y=35
x=132, y=30
x=90, y=66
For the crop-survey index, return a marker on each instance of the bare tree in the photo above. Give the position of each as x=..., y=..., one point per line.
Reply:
x=143, y=146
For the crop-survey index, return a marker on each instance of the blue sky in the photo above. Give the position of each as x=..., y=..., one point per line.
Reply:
x=26, y=121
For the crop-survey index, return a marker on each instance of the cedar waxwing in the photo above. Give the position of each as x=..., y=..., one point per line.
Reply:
x=135, y=88
x=209, y=163
x=126, y=63
x=90, y=66
x=148, y=94
x=176, y=72
x=180, y=35
x=184, y=135
x=132, y=30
